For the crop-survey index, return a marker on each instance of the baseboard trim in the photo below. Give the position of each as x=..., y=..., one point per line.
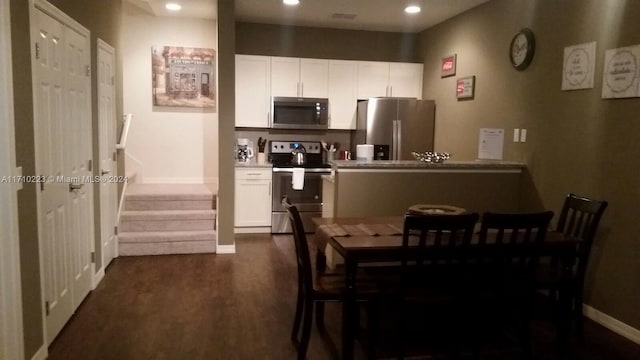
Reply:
x=41, y=354
x=253, y=230
x=97, y=277
x=226, y=249
x=148, y=180
x=612, y=323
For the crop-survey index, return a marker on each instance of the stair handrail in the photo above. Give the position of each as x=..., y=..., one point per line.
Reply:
x=126, y=122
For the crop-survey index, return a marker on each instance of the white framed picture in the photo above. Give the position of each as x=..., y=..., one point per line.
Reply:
x=579, y=66
x=621, y=73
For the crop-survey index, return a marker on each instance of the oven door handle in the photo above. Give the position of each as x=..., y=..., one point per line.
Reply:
x=310, y=170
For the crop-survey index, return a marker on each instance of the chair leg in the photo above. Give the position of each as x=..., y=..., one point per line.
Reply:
x=577, y=310
x=320, y=315
x=306, y=329
x=298, y=316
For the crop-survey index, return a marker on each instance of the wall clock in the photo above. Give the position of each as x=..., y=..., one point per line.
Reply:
x=523, y=45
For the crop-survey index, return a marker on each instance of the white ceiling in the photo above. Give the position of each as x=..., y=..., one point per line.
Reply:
x=380, y=15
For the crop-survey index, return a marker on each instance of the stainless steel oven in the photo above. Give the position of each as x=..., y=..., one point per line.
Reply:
x=308, y=200
x=300, y=113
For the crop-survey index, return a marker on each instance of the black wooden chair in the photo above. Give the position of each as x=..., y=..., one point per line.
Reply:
x=315, y=288
x=505, y=274
x=432, y=245
x=579, y=218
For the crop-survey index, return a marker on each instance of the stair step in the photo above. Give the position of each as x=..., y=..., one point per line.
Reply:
x=169, y=205
x=164, y=248
x=170, y=192
x=144, y=215
x=166, y=236
x=167, y=220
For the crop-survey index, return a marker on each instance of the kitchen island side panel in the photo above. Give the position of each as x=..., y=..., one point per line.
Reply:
x=391, y=193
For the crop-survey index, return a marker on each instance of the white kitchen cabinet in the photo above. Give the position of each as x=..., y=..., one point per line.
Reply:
x=343, y=99
x=296, y=77
x=253, y=197
x=253, y=91
x=373, y=79
x=405, y=80
x=376, y=78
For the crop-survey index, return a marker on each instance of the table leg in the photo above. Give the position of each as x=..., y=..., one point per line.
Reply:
x=349, y=309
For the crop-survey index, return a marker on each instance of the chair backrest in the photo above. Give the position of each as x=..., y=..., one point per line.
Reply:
x=438, y=235
x=514, y=242
x=527, y=229
x=303, y=259
x=579, y=218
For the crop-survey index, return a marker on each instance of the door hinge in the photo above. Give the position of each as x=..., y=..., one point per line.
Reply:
x=90, y=165
x=41, y=182
x=115, y=230
x=114, y=156
x=46, y=308
x=113, y=80
x=93, y=257
x=37, y=51
x=88, y=70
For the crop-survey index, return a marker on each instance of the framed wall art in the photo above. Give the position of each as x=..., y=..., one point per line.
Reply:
x=448, y=66
x=578, y=66
x=183, y=77
x=621, y=73
x=465, y=87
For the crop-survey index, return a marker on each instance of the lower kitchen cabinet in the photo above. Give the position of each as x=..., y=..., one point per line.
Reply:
x=253, y=199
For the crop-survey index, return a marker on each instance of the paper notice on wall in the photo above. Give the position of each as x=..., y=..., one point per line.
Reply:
x=490, y=144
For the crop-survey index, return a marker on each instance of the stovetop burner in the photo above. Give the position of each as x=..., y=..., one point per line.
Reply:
x=280, y=154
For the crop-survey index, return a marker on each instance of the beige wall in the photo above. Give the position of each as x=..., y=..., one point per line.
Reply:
x=174, y=145
x=577, y=142
x=102, y=18
x=309, y=42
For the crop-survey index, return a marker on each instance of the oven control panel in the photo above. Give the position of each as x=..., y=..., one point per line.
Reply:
x=286, y=147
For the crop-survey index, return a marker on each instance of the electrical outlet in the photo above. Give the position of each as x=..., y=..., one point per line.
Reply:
x=516, y=135
x=523, y=135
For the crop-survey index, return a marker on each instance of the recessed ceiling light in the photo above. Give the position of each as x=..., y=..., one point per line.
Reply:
x=412, y=9
x=173, y=6
x=291, y=2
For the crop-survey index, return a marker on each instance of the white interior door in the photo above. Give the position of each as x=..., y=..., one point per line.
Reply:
x=79, y=153
x=11, y=335
x=53, y=210
x=62, y=111
x=107, y=146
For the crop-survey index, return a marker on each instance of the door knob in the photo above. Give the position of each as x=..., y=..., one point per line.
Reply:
x=75, y=187
x=105, y=172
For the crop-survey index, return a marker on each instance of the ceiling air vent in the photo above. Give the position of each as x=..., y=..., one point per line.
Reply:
x=342, y=16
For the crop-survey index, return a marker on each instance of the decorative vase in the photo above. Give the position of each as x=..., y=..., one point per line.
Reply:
x=261, y=158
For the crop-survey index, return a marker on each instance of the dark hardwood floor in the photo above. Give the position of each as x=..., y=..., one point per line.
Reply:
x=241, y=307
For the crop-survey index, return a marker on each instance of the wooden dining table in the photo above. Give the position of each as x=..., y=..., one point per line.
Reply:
x=361, y=240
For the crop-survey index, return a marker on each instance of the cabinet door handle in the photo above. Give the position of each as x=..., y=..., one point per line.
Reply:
x=301, y=89
x=390, y=90
x=253, y=174
x=269, y=188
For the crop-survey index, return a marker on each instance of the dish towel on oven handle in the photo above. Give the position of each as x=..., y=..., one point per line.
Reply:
x=297, y=180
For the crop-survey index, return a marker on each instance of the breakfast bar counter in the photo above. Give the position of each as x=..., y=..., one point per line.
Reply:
x=388, y=188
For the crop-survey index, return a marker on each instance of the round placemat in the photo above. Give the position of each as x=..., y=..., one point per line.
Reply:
x=427, y=209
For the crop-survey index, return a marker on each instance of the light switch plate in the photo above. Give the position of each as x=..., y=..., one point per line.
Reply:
x=516, y=135
x=523, y=135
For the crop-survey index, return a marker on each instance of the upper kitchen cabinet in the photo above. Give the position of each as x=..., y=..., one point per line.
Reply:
x=376, y=79
x=343, y=80
x=296, y=77
x=405, y=80
x=253, y=85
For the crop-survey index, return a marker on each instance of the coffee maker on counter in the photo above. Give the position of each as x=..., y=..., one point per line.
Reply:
x=244, y=150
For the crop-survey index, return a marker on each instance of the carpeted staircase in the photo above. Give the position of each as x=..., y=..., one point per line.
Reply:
x=162, y=219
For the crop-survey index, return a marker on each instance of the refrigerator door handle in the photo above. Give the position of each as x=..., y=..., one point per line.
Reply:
x=399, y=137
x=394, y=140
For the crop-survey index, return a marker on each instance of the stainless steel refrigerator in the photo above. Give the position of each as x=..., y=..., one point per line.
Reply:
x=395, y=127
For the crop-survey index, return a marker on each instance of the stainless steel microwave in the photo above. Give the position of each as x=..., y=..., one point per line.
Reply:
x=300, y=113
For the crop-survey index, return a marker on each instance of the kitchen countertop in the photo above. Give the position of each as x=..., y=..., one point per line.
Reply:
x=252, y=164
x=420, y=165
